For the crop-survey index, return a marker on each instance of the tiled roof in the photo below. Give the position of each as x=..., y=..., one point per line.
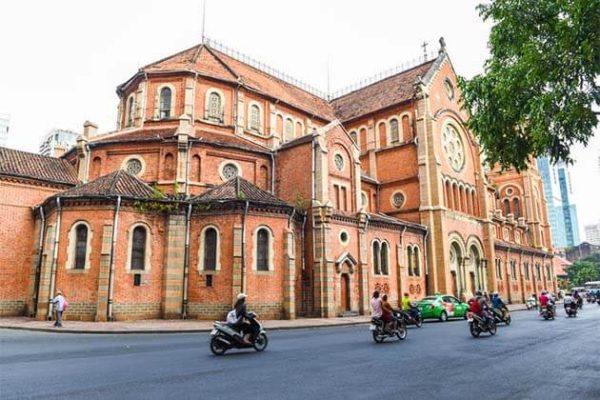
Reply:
x=228, y=139
x=238, y=189
x=379, y=95
x=36, y=166
x=118, y=183
x=379, y=217
x=137, y=135
x=209, y=61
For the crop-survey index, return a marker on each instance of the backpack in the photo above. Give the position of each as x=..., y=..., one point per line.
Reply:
x=65, y=305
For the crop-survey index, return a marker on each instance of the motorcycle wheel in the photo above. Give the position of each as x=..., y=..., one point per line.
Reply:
x=475, y=331
x=261, y=342
x=216, y=347
x=546, y=317
x=419, y=323
x=508, y=320
x=402, y=331
x=378, y=338
x=492, y=329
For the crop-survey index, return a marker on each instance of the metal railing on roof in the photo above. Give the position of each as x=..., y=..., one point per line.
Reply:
x=311, y=89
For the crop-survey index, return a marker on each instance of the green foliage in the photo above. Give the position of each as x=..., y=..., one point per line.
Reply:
x=540, y=84
x=584, y=270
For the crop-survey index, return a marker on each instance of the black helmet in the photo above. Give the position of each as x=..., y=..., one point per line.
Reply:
x=478, y=293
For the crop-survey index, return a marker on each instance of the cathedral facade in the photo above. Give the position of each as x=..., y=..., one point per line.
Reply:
x=224, y=178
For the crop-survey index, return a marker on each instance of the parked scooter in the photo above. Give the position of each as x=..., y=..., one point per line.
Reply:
x=477, y=325
x=501, y=318
x=413, y=317
x=548, y=312
x=571, y=310
x=531, y=302
x=398, y=329
x=224, y=337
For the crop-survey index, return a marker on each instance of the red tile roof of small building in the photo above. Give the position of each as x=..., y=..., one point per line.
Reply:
x=238, y=189
x=23, y=164
x=117, y=183
x=380, y=95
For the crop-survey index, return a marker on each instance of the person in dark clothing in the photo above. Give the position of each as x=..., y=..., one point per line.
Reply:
x=239, y=320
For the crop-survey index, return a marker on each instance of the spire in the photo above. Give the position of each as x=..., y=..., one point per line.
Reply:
x=442, y=45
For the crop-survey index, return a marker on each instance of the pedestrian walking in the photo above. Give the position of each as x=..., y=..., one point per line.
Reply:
x=60, y=304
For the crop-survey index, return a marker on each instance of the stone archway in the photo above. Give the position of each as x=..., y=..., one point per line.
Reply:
x=458, y=269
x=346, y=300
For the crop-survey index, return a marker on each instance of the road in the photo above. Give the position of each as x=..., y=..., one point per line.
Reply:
x=531, y=359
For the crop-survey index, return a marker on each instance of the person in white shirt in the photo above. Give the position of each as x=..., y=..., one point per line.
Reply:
x=59, y=306
x=376, y=310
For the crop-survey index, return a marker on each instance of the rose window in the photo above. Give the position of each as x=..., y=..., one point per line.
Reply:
x=453, y=147
x=133, y=166
x=230, y=171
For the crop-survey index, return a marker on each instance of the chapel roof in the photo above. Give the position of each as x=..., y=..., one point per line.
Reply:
x=117, y=183
x=23, y=164
x=238, y=189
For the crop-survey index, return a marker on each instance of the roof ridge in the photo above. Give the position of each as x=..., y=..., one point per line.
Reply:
x=114, y=180
x=230, y=69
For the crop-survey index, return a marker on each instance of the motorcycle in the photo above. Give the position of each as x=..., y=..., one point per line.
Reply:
x=580, y=303
x=571, y=310
x=412, y=317
x=531, y=303
x=501, y=318
x=223, y=337
x=477, y=325
x=380, y=334
x=547, y=312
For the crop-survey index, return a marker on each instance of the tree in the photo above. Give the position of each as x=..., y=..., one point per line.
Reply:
x=583, y=271
x=539, y=88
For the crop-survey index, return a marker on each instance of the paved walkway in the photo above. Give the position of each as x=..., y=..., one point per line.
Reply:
x=175, y=325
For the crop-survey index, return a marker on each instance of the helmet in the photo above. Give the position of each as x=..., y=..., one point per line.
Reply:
x=241, y=296
x=478, y=293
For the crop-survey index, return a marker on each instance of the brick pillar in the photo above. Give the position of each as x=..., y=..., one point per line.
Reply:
x=363, y=265
x=324, y=265
x=237, y=286
x=239, y=114
x=44, y=290
x=103, y=273
x=173, y=267
x=190, y=96
x=289, y=279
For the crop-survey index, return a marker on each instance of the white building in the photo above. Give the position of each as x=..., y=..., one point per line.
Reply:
x=592, y=233
x=58, y=137
x=4, y=127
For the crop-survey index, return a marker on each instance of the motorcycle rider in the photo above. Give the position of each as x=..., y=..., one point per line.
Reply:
x=376, y=310
x=568, y=301
x=545, y=301
x=236, y=319
x=479, y=306
x=387, y=314
x=408, y=307
x=577, y=298
x=498, y=304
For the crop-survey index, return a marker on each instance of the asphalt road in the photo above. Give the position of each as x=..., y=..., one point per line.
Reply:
x=531, y=359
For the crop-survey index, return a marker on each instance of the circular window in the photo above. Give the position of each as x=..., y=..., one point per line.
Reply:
x=509, y=191
x=230, y=171
x=344, y=237
x=133, y=166
x=339, y=161
x=449, y=88
x=453, y=147
x=398, y=199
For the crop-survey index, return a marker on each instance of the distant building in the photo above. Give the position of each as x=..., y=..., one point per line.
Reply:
x=562, y=215
x=61, y=138
x=4, y=127
x=592, y=233
x=583, y=250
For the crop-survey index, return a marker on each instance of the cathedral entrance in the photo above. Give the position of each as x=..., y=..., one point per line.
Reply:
x=345, y=292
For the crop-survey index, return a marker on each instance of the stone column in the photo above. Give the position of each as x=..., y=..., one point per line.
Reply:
x=324, y=265
x=363, y=264
x=189, y=98
x=140, y=104
x=103, y=273
x=289, y=279
x=183, y=133
x=239, y=114
x=237, y=286
x=173, y=267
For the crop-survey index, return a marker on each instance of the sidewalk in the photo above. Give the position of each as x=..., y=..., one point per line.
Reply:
x=176, y=325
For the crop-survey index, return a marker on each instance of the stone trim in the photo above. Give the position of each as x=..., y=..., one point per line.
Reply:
x=71, y=247
x=201, y=250
x=148, y=255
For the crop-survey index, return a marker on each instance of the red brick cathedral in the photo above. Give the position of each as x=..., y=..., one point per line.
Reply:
x=223, y=178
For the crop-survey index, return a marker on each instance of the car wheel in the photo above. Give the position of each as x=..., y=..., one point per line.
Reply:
x=443, y=316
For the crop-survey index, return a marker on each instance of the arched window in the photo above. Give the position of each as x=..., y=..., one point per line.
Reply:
x=298, y=129
x=195, y=170
x=279, y=124
x=409, y=260
x=81, y=239
x=262, y=250
x=263, y=181
x=385, y=270
x=394, y=131
x=130, y=111
x=406, y=133
x=516, y=208
x=210, y=249
x=289, y=129
x=255, y=118
x=416, y=262
x=363, y=139
x=165, y=103
x=138, y=248
x=96, y=168
x=169, y=167
x=376, y=258
x=353, y=136
x=214, y=110
x=382, y=135
x=506, y=204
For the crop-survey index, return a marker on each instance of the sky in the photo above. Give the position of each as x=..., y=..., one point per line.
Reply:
x=61, y=60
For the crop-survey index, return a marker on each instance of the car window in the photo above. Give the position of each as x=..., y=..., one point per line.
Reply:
x=447, y=299
x=430, y=298
x=454, y=299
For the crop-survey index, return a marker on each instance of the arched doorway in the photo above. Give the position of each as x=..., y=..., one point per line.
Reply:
x=345, y=303
x=456, y=266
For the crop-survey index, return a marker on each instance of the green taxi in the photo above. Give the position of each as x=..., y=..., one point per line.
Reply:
x=442, y=307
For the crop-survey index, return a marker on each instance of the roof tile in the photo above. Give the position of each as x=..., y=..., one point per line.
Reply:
x=36, y=166
x=117, y=183
x=238, y=189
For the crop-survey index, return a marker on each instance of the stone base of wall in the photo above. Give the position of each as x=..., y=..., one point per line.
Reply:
x=124, y=311
x=80, y=312
x=219, y=311
x=12, y=308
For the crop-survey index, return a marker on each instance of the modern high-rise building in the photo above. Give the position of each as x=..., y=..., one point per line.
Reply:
x=58, y=137
x=4, y=127
x=562, y=214
x=592, y=233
